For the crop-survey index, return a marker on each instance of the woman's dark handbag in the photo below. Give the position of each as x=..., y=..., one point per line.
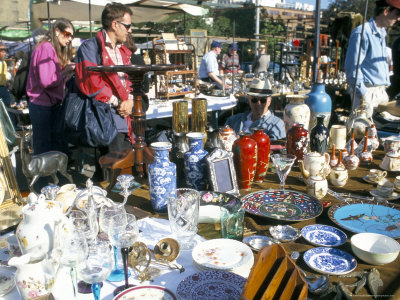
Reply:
x=83, y=121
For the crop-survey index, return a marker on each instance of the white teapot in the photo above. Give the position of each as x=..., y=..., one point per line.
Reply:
x=316, y=164
x=35, y=233
x=317, y=185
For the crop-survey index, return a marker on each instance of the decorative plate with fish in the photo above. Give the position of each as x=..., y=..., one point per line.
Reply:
x=356, y=216
x=282, y=205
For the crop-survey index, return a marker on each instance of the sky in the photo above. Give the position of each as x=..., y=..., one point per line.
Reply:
x=324, y=3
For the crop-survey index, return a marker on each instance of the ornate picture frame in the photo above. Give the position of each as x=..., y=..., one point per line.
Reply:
x=221, y=171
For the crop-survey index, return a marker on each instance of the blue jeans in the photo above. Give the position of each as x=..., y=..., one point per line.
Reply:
x=43, y=120
x=5, y=95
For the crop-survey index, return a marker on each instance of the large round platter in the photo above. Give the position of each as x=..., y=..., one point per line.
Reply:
x=146, y=292
x=329, y=260
x=7, y=281
x=323, y=235
x=356, y=216
x=222, y=254
x=282, y=205
x=208, y=285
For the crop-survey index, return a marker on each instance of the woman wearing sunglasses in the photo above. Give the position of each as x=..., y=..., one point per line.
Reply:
x=259, y=97
x=49, y=69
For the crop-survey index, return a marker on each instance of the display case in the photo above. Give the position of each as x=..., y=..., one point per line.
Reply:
x=169, y=50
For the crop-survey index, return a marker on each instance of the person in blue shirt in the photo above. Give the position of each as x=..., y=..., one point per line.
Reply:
x=259, y=98
x=209, y=68
x=373, y=73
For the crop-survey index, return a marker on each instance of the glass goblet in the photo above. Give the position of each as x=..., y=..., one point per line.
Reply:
x=283, y=163
x=183, y=215
x=123, y=233
x=89, y=227
x=96, y=267
x=105, y=215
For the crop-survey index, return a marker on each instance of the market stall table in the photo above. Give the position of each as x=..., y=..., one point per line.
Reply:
x=389, y=273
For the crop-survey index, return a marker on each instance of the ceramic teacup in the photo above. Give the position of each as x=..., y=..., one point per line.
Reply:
x=376, y=175
x=13, y=246
x=384, y=188
x=397, y=183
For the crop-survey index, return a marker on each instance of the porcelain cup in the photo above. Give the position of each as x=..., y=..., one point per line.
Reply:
x=338, y=136
x=376, y=175
x=397, y=183
x=384, y=188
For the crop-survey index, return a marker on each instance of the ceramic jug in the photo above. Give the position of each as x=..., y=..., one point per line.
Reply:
x=33, y=279
x=316, y=164
x=35, y=233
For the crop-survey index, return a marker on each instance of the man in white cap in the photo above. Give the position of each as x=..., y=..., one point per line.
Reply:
x=259, y=97
x=373, y=73
x=208, y=70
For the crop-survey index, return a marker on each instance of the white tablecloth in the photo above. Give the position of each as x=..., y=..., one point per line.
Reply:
x=153, y=230
x=163, y=109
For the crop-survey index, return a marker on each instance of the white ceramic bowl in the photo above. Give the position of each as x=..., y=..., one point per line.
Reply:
x=375, y=249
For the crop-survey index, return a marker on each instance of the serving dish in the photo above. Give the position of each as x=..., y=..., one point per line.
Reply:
x=330, y=261
x=145, y=292
x=284, y=205
x=323, y=235
x=357, y=216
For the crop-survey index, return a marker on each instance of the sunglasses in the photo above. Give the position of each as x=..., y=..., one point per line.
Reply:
x=3, y=49
x=256, y=99
x=67, y=34
x=127, y=26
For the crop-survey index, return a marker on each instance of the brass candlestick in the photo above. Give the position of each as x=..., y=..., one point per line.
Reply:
x=199, y=115
x=180, y=116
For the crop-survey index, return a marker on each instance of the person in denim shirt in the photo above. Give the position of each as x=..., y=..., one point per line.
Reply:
x=373, y=73
x=259, y=97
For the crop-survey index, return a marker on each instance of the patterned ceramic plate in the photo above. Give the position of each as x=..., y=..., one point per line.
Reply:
x=282, y=205
x=208, y=285
x=222, y=254
x=356, y=216
x=146, y=292
x=324, y=235
x=329, y=260
x=7, y=282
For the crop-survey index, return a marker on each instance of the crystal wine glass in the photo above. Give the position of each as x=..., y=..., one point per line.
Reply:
x=89, y=227
x=283, y=163
x=105, y=215
x=123, y=233
x=96, y=267
x=183, y=215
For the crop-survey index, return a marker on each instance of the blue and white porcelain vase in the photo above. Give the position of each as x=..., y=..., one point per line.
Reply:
x=195, y=163
x=319, y=136
x=320, y=103
x=162, y=176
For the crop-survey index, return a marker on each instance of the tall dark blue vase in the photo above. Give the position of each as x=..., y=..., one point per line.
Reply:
x=162, y=176
x=319, y=136
x=195, y=163
x=320, y=103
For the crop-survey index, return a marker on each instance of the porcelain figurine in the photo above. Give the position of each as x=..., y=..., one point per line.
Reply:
x=319, y=136
x=162, y=176
x=33, y=279
x=228, y=137
x=296, y=111
x=35, y=232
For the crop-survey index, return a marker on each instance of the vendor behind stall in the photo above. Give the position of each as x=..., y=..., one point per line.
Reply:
x=230, y=61
x=259, y=98
x=208, y=70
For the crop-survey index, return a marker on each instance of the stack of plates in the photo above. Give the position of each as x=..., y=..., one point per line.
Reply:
x=223, y=255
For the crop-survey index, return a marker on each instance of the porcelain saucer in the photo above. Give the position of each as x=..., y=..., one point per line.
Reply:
x=367, y=179
x=393, y=196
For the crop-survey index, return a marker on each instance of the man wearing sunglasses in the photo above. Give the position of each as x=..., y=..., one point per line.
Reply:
x=113, y=88
x=4, y=93
x=259, y=97
x=373, y=71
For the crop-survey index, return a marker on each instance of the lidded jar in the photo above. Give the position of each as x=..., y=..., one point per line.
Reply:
x=228, y=137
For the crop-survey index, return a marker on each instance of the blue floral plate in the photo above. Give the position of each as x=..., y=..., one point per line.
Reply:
x=324, y=235
x=329, y=260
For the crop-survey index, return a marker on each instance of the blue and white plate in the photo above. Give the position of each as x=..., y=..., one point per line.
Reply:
x=324, y=235
x=330, y=260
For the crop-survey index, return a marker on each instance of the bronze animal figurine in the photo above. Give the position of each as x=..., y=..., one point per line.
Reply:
x=45, y=164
